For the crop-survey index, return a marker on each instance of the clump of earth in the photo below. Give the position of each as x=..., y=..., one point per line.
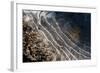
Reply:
x=35, y=47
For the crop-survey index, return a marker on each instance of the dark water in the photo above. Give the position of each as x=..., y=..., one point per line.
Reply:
x=80, y=20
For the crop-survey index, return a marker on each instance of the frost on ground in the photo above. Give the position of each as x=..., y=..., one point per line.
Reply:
x=55, y=36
